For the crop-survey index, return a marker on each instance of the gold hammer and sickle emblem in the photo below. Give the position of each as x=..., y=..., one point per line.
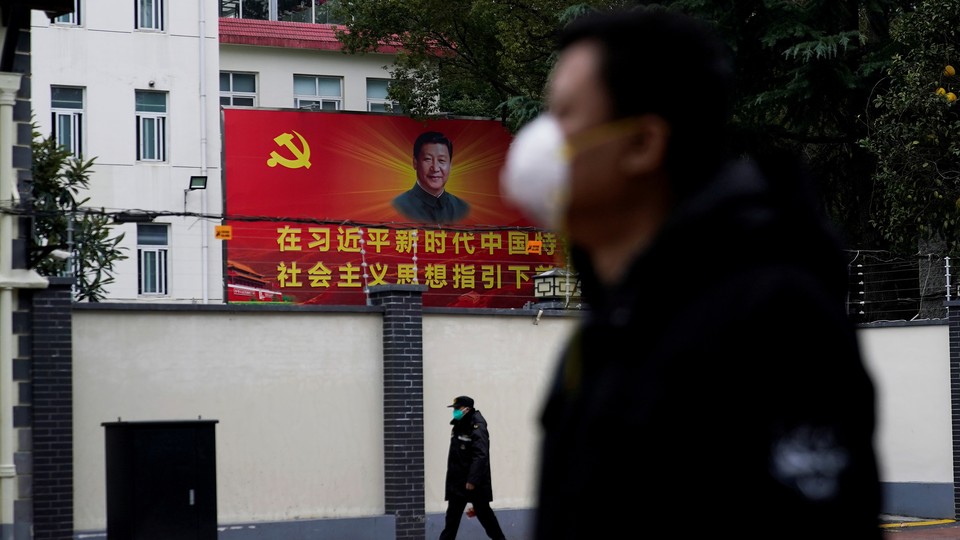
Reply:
x=302, y=159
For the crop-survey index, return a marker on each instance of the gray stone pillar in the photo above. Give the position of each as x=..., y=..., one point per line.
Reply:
x=52, y=411
x=403, y=406
x=953, y=312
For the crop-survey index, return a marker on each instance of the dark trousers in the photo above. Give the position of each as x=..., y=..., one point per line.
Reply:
x=485, y=515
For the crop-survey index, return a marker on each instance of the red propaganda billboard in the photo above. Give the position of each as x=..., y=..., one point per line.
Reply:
x=323, y=205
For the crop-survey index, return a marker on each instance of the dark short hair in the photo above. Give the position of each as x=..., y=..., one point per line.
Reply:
x=666, y=63
x=431, y=137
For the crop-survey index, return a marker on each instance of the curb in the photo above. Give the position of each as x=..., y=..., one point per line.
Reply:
x=916, y=523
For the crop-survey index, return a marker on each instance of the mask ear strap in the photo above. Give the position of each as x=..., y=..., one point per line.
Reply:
x=601, y=134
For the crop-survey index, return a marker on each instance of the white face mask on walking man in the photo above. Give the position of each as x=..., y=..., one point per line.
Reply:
x=536, y=177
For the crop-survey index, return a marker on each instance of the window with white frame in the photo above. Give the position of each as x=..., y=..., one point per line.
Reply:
x=70, y=19
x=149, y=14
x=308, y=11
x=66, y=112
x=152, y=248
x=316, y=92
x=151, y=125
x=239, y=89
x=377, y=96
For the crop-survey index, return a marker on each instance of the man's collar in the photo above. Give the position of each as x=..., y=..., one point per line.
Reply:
x=442, y=191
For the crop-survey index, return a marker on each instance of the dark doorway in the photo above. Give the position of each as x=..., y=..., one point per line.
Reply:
x=161, y=480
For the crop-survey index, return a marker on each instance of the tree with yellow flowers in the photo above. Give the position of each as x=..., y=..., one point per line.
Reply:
x=914, y=132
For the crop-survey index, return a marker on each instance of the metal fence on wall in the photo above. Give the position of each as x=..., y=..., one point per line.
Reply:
x=889, y=287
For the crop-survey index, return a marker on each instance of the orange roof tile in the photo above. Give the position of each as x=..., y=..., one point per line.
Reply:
x=290, y=35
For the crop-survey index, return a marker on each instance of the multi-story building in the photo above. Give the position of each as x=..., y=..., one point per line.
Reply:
x=138, y=86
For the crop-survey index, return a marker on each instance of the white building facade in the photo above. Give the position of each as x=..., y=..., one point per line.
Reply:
x=138, y=86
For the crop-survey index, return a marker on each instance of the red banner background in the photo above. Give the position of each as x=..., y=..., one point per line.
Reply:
x=308, y=195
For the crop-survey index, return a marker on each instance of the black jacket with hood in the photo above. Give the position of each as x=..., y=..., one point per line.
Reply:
x=469, y=459
x=720, y=384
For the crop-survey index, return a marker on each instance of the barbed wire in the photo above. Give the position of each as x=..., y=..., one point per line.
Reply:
x=885, y=286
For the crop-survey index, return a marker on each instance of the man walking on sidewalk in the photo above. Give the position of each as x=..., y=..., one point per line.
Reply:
x=468, y=471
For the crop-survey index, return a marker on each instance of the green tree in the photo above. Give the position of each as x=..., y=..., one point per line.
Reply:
x=805, y=73
x=465, y=58
x=816, y=79
x=62, y=224
x=914, y=131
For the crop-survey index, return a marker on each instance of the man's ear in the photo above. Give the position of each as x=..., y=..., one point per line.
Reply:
x=647, y=148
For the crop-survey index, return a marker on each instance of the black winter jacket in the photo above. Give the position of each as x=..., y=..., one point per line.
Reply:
x=719, y=386
x=469, y=459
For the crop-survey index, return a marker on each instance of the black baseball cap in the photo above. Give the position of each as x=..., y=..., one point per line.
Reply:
x=462, y=401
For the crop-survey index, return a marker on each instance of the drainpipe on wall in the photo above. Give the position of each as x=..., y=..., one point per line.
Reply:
x=10, y=280
x=204, y=233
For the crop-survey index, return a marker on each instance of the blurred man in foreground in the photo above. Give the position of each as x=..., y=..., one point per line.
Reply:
x=716, y=377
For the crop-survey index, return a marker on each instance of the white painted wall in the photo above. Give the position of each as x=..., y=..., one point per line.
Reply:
x=911, y=371
x=298, y=399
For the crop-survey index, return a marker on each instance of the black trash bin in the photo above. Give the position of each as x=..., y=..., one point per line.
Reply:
x=161, y=480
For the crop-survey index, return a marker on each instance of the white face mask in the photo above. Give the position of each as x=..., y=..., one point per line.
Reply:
x=536, y=175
